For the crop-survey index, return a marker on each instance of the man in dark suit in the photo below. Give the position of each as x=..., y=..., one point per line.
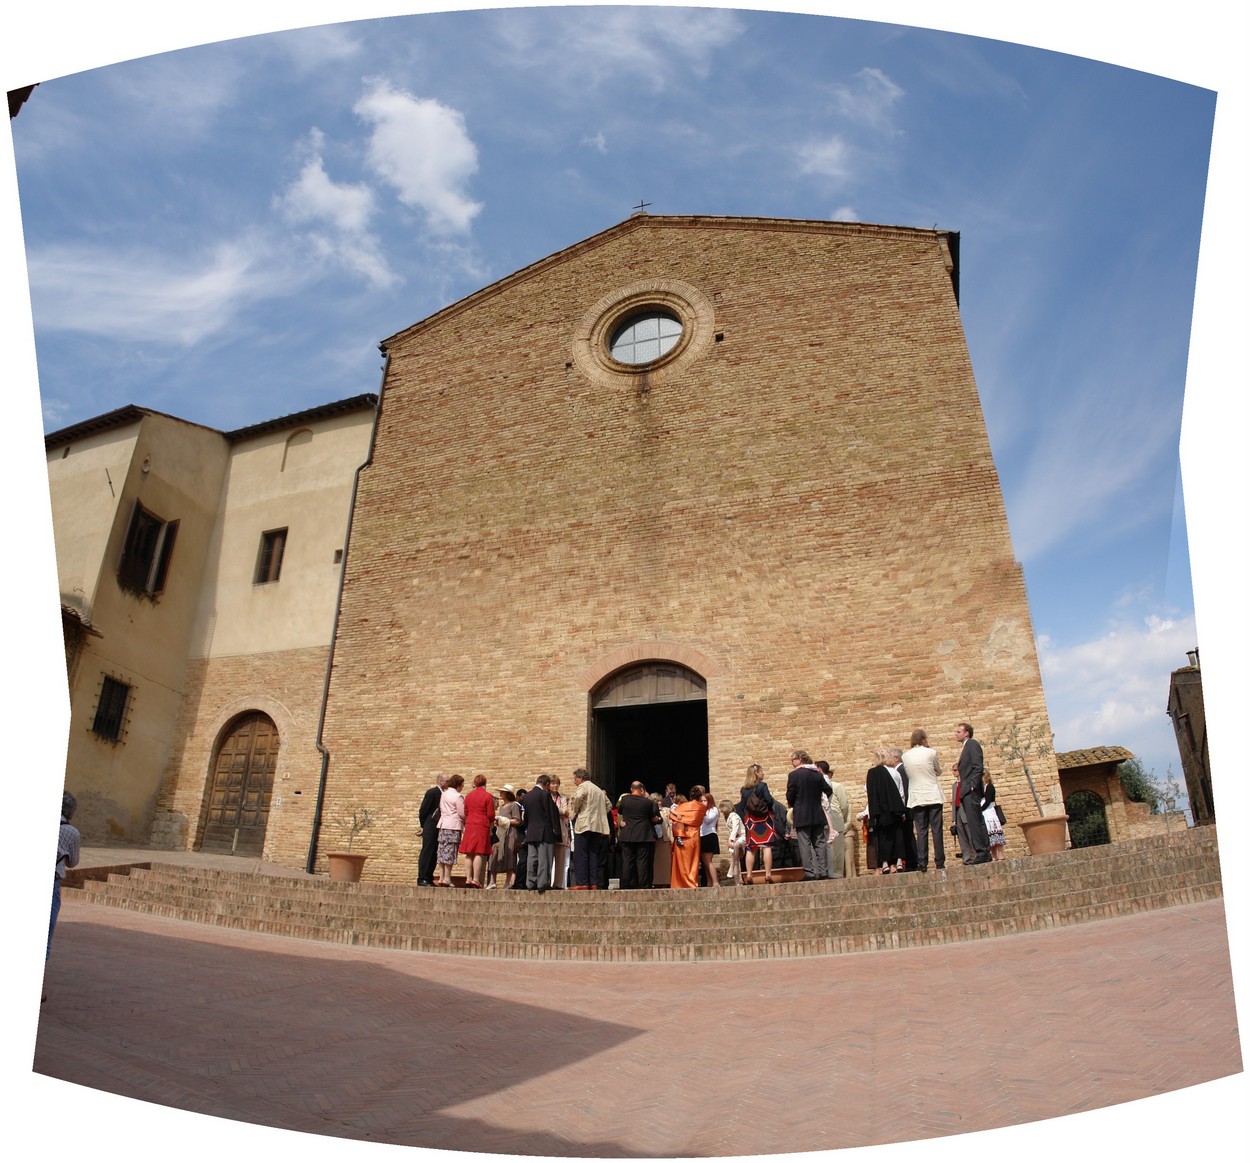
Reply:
x=637, y=814
x=542, y=830
x=427, y=817
x=971, y=771
x=804, y=788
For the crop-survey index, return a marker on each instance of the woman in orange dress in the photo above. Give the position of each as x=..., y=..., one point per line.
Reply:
x=686, y=815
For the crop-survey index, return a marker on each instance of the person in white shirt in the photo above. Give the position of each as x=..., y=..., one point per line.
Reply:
x=925, y=799
x=735, y=838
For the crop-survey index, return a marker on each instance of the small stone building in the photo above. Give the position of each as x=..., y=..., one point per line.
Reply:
x=679, y=498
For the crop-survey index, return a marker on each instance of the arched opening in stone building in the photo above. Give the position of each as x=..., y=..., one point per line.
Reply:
x=1087, y=819
x=649, y=722
x=240, y=786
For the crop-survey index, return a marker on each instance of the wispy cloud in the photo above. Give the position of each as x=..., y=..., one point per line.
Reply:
x=422, y=148
x=339, y=215
x=148, y=296
x=310, y=49
x=830, y=158
x=657, y=46
x=869, y=100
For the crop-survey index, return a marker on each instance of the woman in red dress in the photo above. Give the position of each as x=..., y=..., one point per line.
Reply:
x=686, y=816
x=475, y=845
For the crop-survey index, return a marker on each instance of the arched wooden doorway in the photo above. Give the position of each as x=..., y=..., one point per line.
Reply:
x=649, y=723
x=1087, y=819
x=242, y=783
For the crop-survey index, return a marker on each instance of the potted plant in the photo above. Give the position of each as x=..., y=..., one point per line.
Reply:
x=347, y=865
x=1045, y=833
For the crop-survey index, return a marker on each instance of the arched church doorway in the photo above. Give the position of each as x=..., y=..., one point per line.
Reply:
x=241, y=786
x=649, y=723
x=1087, y=819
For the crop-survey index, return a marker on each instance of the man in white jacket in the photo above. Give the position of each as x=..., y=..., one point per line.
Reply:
x=924, y=799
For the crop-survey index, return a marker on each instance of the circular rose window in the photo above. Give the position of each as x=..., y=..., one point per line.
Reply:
x=645, y=338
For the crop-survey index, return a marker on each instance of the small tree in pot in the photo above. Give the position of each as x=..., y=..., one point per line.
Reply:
x=347, y=865
x=1017, y=743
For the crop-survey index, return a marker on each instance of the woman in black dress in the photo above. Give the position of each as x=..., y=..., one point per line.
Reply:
x=887, y=815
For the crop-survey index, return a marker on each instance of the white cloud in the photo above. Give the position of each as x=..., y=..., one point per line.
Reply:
x=1113, y=690
x=597, y=142
x=344, y=211
x=869, y=100
x=147, y=296
x=830, y=158
x=845, y=214
x=421, y=147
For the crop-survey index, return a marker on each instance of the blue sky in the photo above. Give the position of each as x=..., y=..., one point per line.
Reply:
x=226, y=232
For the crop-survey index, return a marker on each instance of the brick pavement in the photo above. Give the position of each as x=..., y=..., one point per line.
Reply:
x=567, y=1059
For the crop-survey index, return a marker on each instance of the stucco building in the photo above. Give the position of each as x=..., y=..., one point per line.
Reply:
x=199, y=574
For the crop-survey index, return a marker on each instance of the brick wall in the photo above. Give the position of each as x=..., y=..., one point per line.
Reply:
x=805, y=498
x=285, y=685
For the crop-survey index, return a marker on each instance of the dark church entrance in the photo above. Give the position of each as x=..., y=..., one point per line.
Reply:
x=649, y=723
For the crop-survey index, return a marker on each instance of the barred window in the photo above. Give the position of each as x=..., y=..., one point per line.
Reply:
x=110, y=711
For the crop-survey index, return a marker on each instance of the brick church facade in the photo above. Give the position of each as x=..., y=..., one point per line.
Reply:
x=674, y=500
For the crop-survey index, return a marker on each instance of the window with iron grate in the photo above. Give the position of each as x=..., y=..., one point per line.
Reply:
x=110, y=711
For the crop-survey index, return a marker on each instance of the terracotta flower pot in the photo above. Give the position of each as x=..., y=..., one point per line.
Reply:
x=345, y=866
x=1045, y=834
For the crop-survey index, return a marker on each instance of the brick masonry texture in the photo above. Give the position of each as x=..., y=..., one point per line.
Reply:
x=805, y=500
x=287, y=686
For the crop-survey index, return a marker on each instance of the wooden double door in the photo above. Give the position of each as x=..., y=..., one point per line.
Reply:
x=242, y=785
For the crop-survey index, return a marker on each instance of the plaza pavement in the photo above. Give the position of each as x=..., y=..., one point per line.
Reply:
x=627, y=1060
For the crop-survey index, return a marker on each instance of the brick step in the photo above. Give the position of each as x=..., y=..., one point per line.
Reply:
x=552, y=922
x=1020, y=895
x=1177, y=859
x=879, y=893
x=733, y=947
x=230, y=892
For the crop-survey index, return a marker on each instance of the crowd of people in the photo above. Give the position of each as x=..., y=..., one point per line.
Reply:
x=537, y=838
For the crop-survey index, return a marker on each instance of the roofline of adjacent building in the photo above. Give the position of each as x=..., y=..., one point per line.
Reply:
x=133, y=413
x=643, y=221
x=1091, y=757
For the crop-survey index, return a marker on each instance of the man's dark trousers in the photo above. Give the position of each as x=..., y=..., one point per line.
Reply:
x=636, y=864
x=589, y=849
x=928, y=818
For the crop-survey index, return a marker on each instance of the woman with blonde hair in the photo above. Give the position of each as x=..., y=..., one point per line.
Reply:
x=756, y=809
x=887, y=812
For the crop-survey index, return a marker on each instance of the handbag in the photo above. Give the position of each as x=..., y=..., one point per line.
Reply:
x=998, y=811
